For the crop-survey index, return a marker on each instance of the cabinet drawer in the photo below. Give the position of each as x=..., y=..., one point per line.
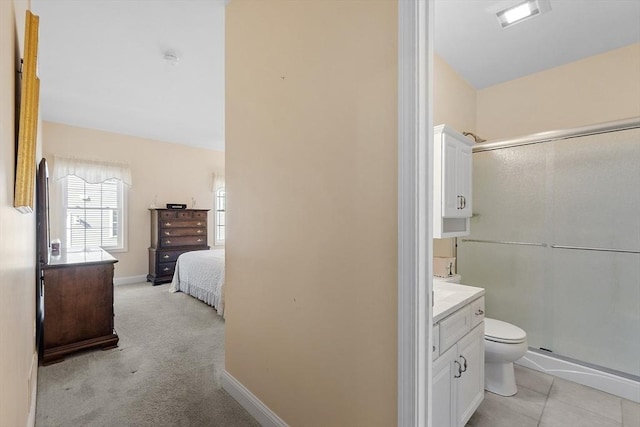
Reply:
x=168, y=256
x=200, y=214
x=167, y=242
x=184, y=231
x=180, y=223
x=167, y=214
x=477, y=312
x=166, y=268
x=185, y=214
x=454, y=327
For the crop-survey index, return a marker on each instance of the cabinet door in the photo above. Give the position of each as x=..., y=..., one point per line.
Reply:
x=456, y=178
x=470, y=386
x=450, y=195
x=442, y=392
x=463, y=178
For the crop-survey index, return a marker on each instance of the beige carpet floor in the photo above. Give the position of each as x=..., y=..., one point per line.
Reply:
x=165, y=372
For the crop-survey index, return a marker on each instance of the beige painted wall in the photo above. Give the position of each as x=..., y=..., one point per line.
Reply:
x=168, y=173
x=312, y=199
x=454, y=100
x=454, y=104
x=597, y=89
x=17, y=245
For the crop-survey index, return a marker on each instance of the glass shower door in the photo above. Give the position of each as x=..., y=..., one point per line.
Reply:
x=555, y=241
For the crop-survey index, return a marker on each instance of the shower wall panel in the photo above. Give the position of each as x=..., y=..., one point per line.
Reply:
x=578, y=192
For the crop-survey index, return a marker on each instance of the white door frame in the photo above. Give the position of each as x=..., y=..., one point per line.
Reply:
x=415, y=234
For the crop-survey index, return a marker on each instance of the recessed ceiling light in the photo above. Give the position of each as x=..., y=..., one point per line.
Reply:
x=522, y=11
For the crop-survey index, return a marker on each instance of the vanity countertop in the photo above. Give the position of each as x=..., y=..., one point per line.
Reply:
x=448, y=297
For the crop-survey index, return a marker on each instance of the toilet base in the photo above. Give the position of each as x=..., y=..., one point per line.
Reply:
x=499, y=378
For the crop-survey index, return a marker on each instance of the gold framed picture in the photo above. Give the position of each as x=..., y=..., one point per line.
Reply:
x=28, y=119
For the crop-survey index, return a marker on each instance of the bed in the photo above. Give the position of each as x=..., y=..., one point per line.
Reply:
x=201, y=275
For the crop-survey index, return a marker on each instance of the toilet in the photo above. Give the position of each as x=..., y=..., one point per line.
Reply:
x=504, y=343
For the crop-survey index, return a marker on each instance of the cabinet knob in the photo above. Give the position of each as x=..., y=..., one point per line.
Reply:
x=199, y=240
x=167, y=224
x=480, y=312
x=199, y=224
x=199, y=231
x=168, y=233
x=166, y=269
x=168, y=241
x=165, y=256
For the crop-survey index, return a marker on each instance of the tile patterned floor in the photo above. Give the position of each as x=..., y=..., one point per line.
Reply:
x=546, y=401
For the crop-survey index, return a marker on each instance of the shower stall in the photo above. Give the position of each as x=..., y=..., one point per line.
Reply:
x=555, y=241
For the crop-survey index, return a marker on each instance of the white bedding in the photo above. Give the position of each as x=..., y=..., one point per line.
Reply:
x=201, y=274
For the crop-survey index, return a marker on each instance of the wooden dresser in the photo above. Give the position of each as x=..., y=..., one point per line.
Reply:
x=78, y=303
x=174, y=232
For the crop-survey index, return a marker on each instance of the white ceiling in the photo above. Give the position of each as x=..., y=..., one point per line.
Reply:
x=101, y=61
x=470, y=39
x=101, y=66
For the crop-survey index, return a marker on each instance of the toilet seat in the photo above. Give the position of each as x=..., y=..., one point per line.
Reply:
x=503, y=332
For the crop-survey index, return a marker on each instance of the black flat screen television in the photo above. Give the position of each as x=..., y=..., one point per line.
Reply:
x=43, y=243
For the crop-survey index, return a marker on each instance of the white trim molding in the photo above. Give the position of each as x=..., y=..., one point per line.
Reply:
x=415, y=176
x=261, y=412
x=594, y=378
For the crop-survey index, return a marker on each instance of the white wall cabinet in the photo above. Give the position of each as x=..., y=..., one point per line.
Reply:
x=452, y=199
x=458, y=371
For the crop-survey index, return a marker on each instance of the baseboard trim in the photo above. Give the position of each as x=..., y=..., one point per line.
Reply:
x=261, y=412
x=605, y=381
x=117, y=281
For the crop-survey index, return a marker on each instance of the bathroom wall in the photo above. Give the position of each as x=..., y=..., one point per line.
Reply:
x=597, y=89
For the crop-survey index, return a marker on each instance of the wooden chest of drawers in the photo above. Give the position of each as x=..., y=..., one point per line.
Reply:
x=78, y=303
x=174, y=232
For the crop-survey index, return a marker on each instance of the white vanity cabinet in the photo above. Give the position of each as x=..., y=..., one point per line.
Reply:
x=458, y=368
x=452, y=183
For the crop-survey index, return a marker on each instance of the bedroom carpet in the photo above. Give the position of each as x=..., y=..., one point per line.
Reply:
x=166, y=370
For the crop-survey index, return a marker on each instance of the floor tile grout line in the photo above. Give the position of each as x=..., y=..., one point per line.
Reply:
x=546, y=400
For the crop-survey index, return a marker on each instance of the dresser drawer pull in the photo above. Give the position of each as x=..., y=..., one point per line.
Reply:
x=165, y=256
x=199, y=231
x=199, y=224
x=480, y=312
x=167, y=233
x=199, y=240
x=167, y=224
x=166, y=269
x=168, y=242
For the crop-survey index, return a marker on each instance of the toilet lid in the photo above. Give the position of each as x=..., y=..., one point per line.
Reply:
x=497, y=330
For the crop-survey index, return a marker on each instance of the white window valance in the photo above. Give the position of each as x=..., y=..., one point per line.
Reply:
x=218, y=180
x=92, y=171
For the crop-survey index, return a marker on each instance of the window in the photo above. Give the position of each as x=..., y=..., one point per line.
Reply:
x=220, y=216
x=94, y=214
